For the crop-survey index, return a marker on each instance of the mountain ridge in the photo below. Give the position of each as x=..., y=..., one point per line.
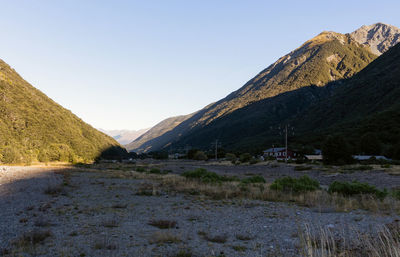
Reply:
x=327, y=57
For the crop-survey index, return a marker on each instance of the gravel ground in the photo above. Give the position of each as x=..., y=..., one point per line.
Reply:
x=95, y=214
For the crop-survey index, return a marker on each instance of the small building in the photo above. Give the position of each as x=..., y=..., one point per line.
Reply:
x=280, y=153
x=367, y=157
x=313, y=157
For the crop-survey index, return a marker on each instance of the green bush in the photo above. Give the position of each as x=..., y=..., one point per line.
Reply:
x=246, y=157
x=10, y=154
x=301, y=168
x=155, y=171
x=231, y=157
x=361, y=167
x=206, y=176
x=140, y=169
x=396, y=194
x=356, y=188
x=200, y=156
x=302, y=184
x=254, y=179
x=253, y=161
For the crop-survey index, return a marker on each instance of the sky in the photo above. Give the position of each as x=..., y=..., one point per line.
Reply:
x=130, y=64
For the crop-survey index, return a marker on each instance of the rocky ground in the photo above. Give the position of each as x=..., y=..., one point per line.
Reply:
x=62, y=212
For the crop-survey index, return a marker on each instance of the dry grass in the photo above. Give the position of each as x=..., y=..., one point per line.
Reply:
x=162, y=224
x=32, y=238
x=110, y=223
x=323, y=242
x=320, y=199
x=164, y=237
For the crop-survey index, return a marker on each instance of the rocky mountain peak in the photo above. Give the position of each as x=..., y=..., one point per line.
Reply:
x=379, y=37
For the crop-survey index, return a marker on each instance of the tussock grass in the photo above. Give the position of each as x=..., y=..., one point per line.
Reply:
x=162, y=224
x=164, y=237
x=320, y=199
x=323, y=242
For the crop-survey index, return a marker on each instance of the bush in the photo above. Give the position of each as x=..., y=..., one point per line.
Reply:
x=140, y=169
x=302, y=184
x=356, y=188
x=301, y=168
x=253, y=161
x=206, y=176
x=246, y=157
x=155, y=171
x=200, y=156
x=231, y=157
x=10, y=155
x=254, y=179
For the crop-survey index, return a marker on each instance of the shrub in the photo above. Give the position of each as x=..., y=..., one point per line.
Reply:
x=301, y=168
x=361, y=167
x=200, y=156
x=356, y=188
x=206, y=176
x=253, y=161
x=254, y=179
x=396, y=194
x=246, y=157
x=141, y=169
x=302, y=184
x=10, y=154
x=231, y=157
x=155, y=171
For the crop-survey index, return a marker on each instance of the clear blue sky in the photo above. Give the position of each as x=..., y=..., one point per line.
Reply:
x=130, y=64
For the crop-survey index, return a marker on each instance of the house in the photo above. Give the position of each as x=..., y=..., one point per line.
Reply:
x=280, y=153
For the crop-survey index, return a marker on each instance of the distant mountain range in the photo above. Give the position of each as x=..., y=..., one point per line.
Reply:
x=35, y=128
x=124, y=136
x=277, y=94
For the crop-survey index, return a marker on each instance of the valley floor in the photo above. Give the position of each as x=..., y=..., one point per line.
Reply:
x=114, y=211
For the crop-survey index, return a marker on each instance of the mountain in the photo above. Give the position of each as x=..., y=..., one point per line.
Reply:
x=124, y=136
x=33, y=127
x=141, y=143
x=361, y=107
x=327, y=57
x=379, y=37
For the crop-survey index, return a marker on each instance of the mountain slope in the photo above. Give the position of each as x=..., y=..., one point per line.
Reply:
x=33, y=127
x=379, y=37
x=368, y=103
x=139, y=144
x=327, y=57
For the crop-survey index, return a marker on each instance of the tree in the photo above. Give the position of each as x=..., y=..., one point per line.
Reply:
x=370, y=144
x=335, y=150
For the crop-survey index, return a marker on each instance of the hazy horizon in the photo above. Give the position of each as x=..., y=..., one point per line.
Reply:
x=129, y=64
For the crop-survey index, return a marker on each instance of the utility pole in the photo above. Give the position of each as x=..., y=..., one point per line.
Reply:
x=216, y=149
x=286, y=157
